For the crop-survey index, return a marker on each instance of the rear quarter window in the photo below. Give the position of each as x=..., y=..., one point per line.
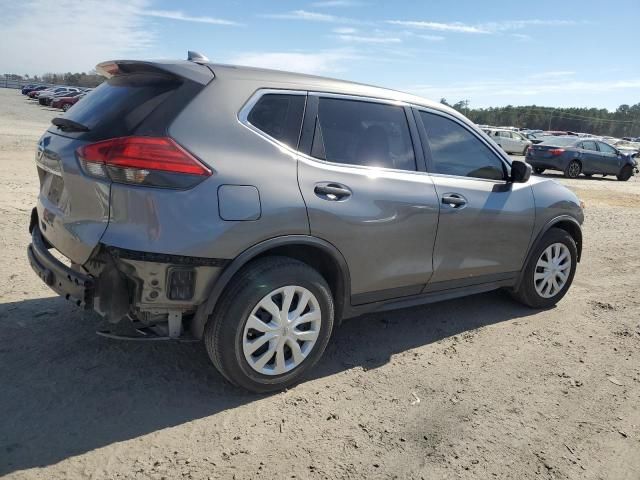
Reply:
x=279, y=116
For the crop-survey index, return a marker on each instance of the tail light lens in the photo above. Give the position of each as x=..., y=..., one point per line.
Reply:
x=148, y=161
x=556, y=152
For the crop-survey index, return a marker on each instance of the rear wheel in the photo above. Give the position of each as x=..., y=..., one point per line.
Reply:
x=573, y=169
x=66, y=107
x=625, y=174
x=550, y=270
x=272, y=324
x=538, y=170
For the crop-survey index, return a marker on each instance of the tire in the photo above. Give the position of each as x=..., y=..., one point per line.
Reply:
x=625, y=174
x=538, y=170
x=66, y=107
x=573, y=169
x=528, y=293
x=588, y=175
x=228, y=337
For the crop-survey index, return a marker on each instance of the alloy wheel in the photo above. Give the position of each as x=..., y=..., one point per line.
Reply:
x=574, y=169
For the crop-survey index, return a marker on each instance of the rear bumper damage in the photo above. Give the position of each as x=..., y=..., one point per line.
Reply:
x=72, y=285
x=140, y=289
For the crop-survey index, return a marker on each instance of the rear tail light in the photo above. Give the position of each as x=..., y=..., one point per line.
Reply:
x=556, y=152
x=148, y=161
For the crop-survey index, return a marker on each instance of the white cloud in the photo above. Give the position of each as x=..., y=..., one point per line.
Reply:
x=177, y=15
x=553, y=74
x=318, y=63
x=305, y=15
x=67, y=35
x=527, y=88
x=336, y=3
x=482, y=28
x=380, y=40
x=438, y=26
x=345, y=30
x=431, y=38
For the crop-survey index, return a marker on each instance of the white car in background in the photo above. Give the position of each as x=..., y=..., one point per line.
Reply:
x=510, y=141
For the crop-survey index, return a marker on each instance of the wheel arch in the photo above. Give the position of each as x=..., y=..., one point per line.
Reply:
x=563, y=222
x=315, y=252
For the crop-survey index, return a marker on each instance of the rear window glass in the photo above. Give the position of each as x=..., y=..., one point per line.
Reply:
x=120, y=104
x=279, y=116
x=559, y=141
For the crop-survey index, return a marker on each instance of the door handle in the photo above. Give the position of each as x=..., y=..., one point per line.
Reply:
x=332, y=191
x=454, y=200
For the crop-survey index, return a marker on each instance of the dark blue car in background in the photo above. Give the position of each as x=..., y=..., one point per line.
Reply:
x=574, y=155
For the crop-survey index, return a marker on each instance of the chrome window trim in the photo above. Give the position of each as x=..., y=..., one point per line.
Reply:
x=243, y=114
x=361, y=98
x=472, y=131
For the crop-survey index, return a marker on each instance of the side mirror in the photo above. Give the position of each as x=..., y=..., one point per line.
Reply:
x=520, y=171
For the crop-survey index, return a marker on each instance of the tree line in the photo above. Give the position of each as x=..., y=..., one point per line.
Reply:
x=80, y=79
x=623, y=122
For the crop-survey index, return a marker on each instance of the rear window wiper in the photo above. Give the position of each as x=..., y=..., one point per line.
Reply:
x=67, y=125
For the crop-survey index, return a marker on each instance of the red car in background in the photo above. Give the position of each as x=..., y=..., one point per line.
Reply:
x=65, y=103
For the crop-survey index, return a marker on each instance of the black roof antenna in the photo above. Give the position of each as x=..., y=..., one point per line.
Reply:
x=196, y=57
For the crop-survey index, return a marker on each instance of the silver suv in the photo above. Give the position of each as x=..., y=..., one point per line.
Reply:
x=256, y=210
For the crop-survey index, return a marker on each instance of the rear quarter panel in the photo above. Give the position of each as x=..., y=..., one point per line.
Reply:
x=189, y=222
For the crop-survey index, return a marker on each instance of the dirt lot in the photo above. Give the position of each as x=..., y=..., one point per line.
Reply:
x=504, y=391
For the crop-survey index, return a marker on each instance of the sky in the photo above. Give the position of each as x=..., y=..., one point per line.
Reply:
x=491, y=53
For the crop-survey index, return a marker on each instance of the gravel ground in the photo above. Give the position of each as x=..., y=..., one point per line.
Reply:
x=473, y=388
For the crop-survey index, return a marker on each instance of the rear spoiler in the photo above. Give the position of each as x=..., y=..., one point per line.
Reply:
x=195, y=72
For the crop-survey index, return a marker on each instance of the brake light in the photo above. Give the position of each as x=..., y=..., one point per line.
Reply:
x=150, y=161
x=556, y=152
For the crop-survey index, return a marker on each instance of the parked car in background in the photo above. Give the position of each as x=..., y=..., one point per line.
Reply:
x=628, y=147
x=510, y=141
x=295, y=171
x=534, y=137
x=30, y=92
x=65, y=103
x=27, y=88
x=46, y=98
x=573, y=156
x=50, y=98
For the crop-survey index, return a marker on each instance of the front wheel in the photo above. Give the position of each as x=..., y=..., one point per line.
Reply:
x=272, y=324
x=538, y=170
x=573, y=169
x=549, y=271
x=625, y=174
x=66, y=107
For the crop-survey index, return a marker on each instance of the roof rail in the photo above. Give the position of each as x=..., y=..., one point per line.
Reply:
x=196, y=57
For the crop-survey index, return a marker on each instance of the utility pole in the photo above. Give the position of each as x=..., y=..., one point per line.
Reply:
x=550, y=117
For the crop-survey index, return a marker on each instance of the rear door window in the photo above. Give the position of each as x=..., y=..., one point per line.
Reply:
x=456, y=151
x=364, y=133
x=589, y=146
x=279, y=116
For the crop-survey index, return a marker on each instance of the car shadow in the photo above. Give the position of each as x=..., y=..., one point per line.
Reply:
x=595, y=177
x=67, y=391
